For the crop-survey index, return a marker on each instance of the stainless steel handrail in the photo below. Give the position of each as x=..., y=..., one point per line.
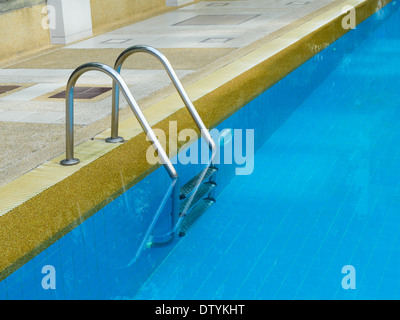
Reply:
x=119, y=83
x=175, y=80
x=170, y=193
x=117, y=79
x=176, y=222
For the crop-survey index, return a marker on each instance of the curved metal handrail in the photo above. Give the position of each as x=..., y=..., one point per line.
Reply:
x=117, y=79
x=175, y=80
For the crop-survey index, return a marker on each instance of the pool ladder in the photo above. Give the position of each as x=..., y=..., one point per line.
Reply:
x=189, y=201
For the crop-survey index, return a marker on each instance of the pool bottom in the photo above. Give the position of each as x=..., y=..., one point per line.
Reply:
x=323, y=197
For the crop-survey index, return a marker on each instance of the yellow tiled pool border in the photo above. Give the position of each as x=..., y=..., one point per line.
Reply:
x=40, y=207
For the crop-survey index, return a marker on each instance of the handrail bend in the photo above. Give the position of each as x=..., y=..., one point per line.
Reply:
x=119, y=83
x=117, y=79
x=175, y=80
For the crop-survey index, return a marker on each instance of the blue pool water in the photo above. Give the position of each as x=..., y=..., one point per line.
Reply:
x=324, y=194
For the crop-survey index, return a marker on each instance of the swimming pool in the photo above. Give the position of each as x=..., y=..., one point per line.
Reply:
x=322, y=196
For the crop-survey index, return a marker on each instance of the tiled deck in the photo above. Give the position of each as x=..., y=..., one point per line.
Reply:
x=194, y=37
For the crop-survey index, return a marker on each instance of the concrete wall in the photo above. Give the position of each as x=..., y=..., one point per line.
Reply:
x=8, y=5
x=107, y=14
x=21, y=31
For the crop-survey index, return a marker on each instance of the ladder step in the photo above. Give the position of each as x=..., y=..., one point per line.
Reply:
x=189, y=186
x=203, y=190
x=197, y=211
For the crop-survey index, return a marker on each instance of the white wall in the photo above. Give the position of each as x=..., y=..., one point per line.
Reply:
x=73, y=20
x=175, y=3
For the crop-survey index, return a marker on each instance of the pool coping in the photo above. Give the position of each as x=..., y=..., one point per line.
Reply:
x=49, y=201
